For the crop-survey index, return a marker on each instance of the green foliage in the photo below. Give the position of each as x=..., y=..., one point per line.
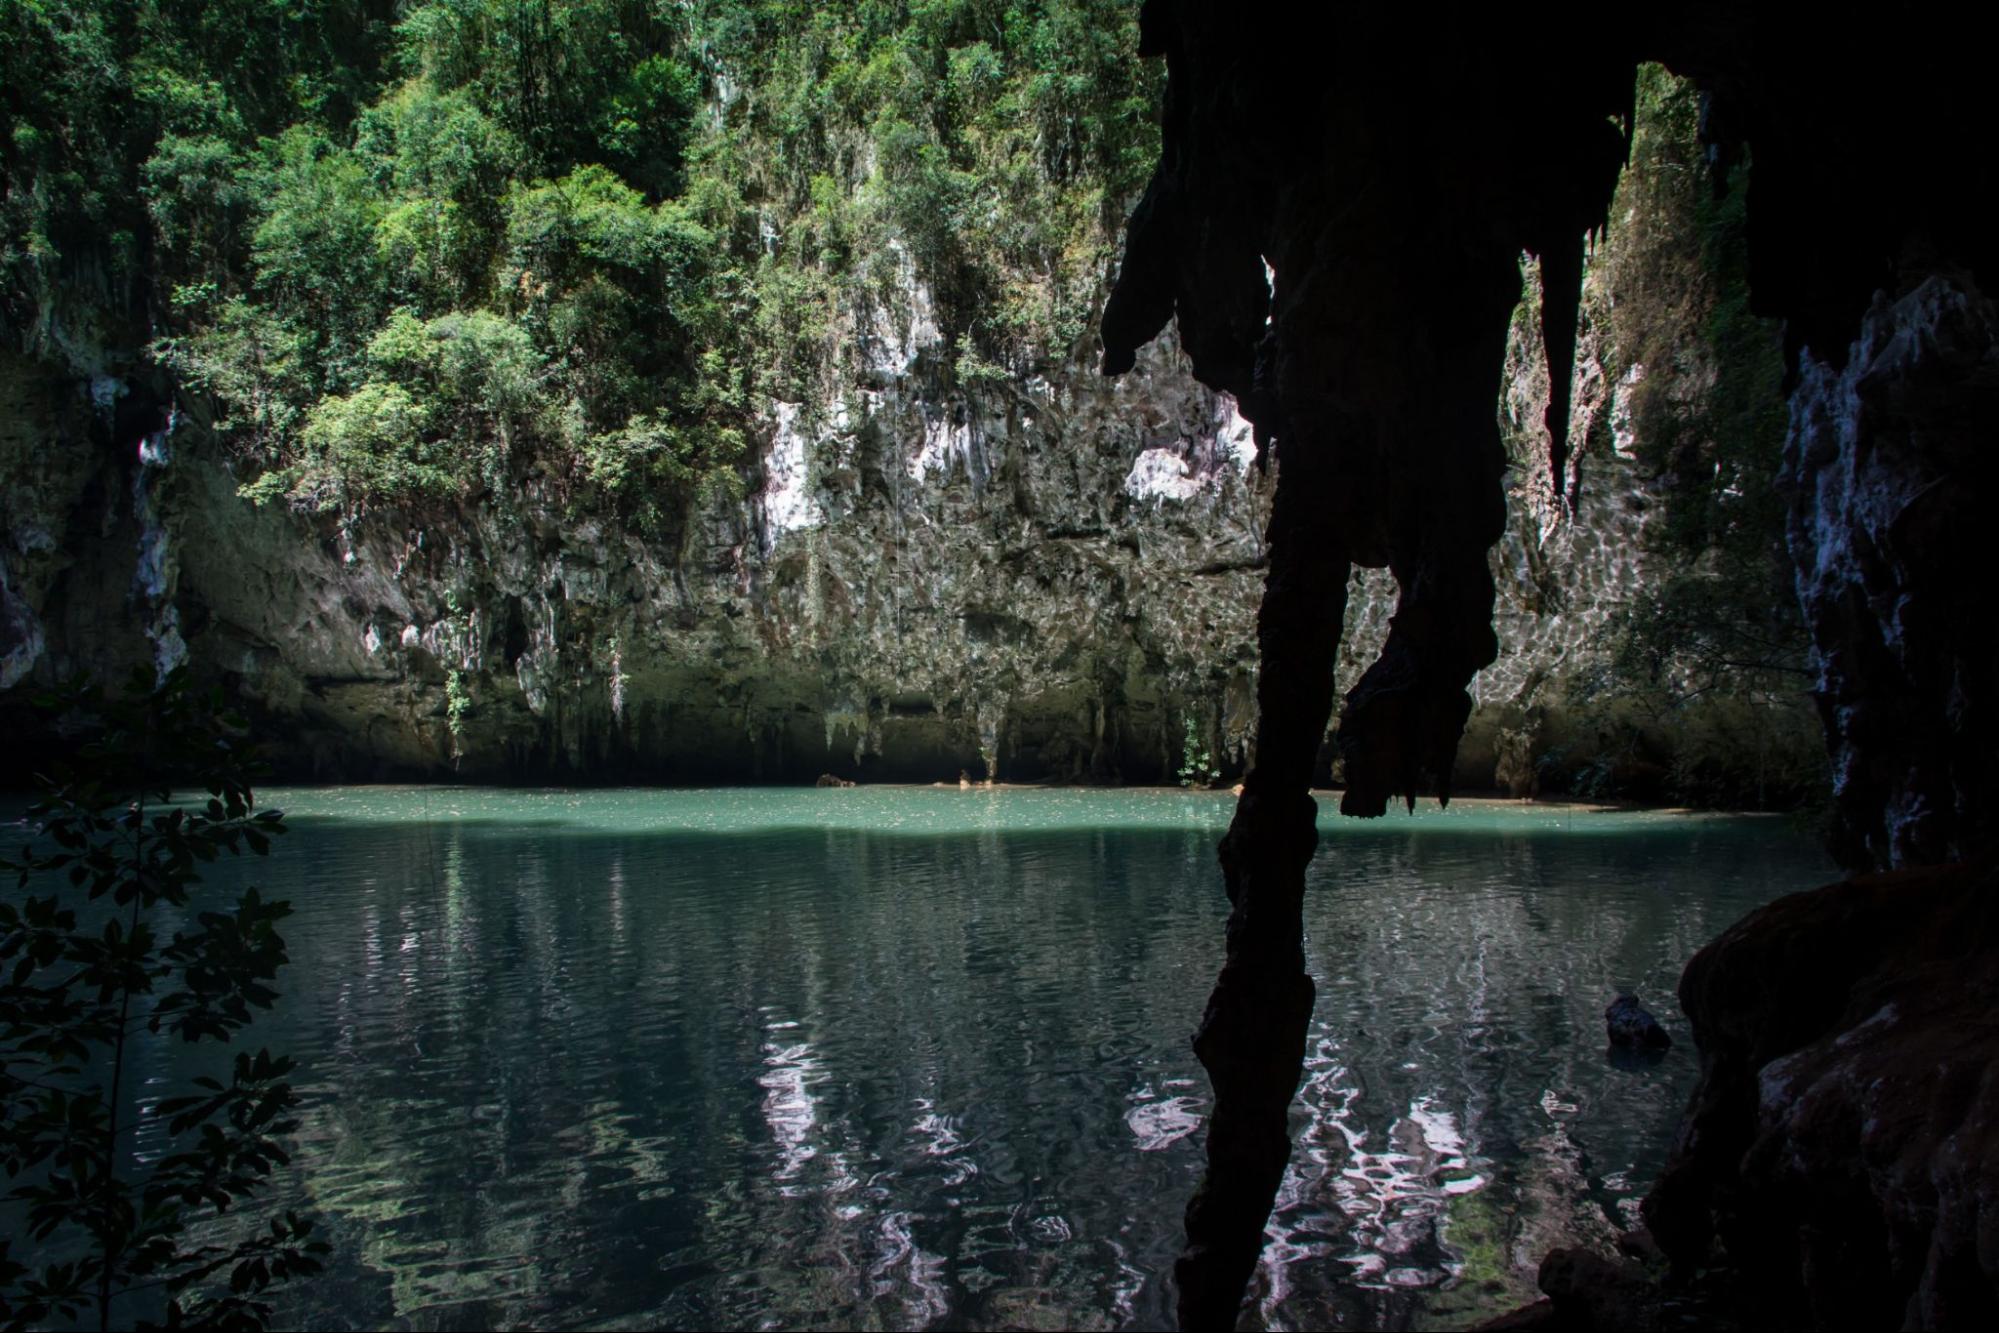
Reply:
x=457, y=704
x=443, y=401
x=993, y=144
x=413, y=253
x=575, y=81
x=975, y=369
x=87, y=968
x=118, y=113
x=1197, y=762
x=375, y=441
x=313, y=249
x=199, y=198
x=444, y=164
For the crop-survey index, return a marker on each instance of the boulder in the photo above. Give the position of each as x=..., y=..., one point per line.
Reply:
x=1631, y=1028
x=1842, y=1144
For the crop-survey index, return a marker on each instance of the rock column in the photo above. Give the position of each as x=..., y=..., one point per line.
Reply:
x=1252, y=1036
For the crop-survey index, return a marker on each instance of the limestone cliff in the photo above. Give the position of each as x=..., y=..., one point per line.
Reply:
x=1889, y=460
x=1044, y=579
x=1029, y=575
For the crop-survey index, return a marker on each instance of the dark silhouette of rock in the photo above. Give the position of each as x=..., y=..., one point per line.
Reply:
x=1368, y=369
x=1632, y=1028
x=1584, y=1291
x=1593, y=1291
x=1891, y=464
x=828, y=780
x=1334, y=225
x=1843, y=1142
x=1540, y=1317
x=1639, y=1244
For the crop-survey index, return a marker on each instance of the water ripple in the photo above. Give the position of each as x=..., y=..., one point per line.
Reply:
x=912, y=1058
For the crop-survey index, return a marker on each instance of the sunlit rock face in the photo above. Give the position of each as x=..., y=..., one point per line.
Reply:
x=1890, y=464
x=1050, y=578
x=917, y=580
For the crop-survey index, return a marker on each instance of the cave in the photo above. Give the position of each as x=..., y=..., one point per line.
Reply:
x=959, y=461
x=1333, y=228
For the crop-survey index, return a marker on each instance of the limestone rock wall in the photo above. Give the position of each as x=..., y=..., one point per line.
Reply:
x=1890, y=466
x=1053, y=578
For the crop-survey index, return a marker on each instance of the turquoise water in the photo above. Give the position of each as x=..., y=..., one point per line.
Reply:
x=893, y=1057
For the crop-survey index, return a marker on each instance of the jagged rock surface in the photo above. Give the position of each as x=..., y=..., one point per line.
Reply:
x=1053, y=577
x=1341, y=254
x=1843, y=1142
x=1331, y=145
x=1891, y=466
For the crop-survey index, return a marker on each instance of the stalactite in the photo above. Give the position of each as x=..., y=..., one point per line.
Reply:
x=1561, y=297
x=1371, y=368
x=1252, y=1035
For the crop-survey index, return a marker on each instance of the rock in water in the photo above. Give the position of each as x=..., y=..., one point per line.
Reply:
x=828, y=780
x=1632, y=1028
x=1843, y=1141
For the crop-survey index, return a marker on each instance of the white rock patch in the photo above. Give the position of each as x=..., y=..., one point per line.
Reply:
x=1234, y=433
x=1161, y=474
x=788, y=504
x=945, y=446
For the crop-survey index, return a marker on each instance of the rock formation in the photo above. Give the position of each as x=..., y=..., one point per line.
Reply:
x=1051, y=576
x=1387, y=167
x=1841, y=1143
x=1631, y=1027
x=1890, y=458
x=1297, y=149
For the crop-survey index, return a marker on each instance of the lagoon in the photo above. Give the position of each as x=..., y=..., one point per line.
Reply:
x=918, y=1058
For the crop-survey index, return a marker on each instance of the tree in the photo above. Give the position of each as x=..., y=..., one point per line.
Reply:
x=88, y=969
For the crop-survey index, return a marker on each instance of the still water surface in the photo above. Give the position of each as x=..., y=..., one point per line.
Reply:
x=904, y=1058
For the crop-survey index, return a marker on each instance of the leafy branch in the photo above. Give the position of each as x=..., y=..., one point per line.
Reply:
x=82, y=968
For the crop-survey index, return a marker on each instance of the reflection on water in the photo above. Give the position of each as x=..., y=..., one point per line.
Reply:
x=895, y=1059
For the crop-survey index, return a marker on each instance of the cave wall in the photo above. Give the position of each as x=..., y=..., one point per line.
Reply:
x=1890, y=464
x=1384, y=163
x=1043, y=576
x=1838, y=1153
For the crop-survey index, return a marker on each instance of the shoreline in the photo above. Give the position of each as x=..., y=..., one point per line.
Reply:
x=1324, y=795
x=1328, y=797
